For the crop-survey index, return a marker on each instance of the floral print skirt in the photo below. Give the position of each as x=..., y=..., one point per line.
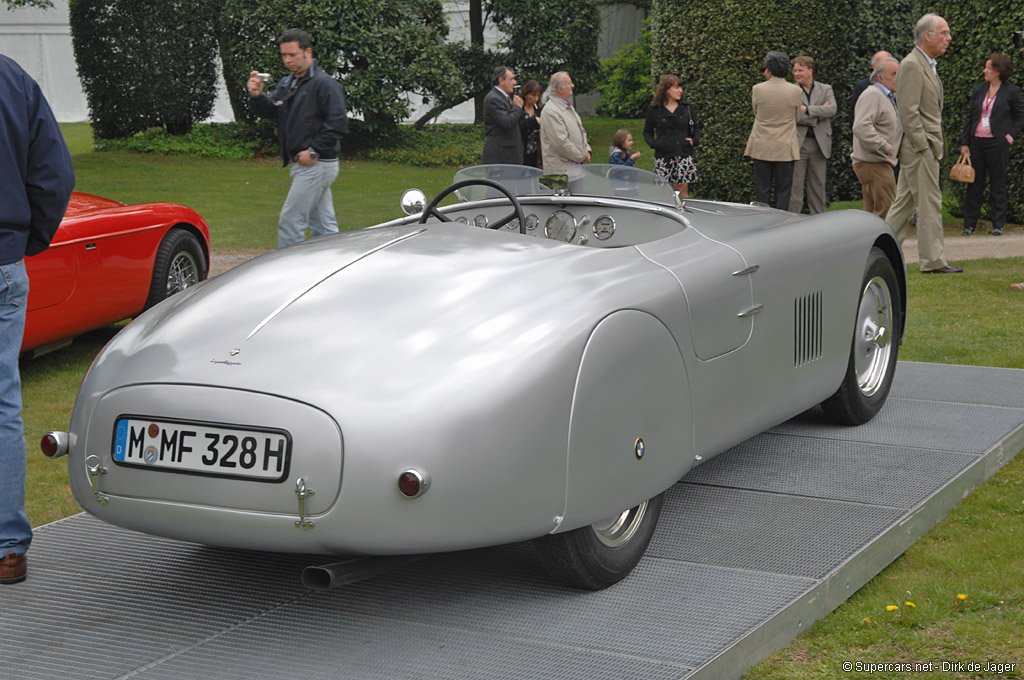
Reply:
x=677, y=169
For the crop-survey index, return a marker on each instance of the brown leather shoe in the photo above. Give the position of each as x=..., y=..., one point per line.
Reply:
x=948, y=269
x=13, y=568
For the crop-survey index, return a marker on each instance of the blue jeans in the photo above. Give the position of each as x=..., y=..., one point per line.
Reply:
x=15, y=530
x=309, y=203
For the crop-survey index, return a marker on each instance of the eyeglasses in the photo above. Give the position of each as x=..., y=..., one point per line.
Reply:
x=944, y=34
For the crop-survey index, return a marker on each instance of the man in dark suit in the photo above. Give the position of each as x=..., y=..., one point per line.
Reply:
x=923, y=145
x=502, y=113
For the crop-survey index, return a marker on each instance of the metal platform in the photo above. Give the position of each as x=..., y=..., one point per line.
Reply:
x=752, y=547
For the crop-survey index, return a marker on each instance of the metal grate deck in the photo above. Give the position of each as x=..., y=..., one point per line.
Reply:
x=753, y=546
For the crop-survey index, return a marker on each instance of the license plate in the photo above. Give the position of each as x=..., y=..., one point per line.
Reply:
x=261, y=454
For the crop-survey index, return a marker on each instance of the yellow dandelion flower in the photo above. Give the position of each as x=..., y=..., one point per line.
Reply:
x=910, y=604
x=961, y=596
x=891, y=607
x=866, y=619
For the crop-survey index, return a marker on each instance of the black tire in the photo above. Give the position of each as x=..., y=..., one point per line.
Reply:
x=180, y=263
x=876, y=342
x=601, y=554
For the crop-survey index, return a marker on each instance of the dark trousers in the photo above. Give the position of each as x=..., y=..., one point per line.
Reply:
x=989, y=157
x=767, y=173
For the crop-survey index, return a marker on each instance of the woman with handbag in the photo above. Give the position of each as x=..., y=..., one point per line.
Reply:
x=672, y=130
x=994, y=119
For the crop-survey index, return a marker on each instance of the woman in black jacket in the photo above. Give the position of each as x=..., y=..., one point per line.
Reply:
x=994, y=121
x=529, y=125
x=672, y=130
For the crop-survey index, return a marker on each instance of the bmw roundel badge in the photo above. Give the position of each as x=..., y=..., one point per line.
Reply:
x=638, y=448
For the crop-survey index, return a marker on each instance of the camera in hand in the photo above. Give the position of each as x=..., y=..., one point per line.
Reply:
x=1018, y=40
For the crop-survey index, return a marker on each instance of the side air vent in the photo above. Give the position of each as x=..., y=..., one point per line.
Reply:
x=806, y=329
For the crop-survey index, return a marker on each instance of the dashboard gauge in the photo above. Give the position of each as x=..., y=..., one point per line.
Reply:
x=513, y=225
x=561, y=226
x=480, y=220
x=532, y=222
x=462, y=219
x=604, y=227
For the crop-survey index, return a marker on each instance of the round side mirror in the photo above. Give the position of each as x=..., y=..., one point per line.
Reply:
x=413, y=201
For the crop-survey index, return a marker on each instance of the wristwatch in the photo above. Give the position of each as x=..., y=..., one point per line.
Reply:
x=313, y=154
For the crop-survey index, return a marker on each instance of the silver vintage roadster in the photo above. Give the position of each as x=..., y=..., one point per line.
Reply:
x=526, y=363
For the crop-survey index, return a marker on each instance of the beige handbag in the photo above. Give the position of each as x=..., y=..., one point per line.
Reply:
x=962, y=170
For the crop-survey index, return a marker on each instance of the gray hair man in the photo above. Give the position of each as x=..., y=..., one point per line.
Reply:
x=923, y=145
x=863, y=83
x=876, y=131
x=563, y=140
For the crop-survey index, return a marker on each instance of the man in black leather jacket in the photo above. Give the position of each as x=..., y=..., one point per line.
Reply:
x=309, y=107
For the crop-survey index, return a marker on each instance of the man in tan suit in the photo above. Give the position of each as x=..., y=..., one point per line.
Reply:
x=814, y=132
x=876, y=135
x=773, y=142
x=919, y=96
x=563, y=141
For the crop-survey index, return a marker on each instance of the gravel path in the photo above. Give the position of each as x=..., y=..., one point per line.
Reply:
x=958, y=248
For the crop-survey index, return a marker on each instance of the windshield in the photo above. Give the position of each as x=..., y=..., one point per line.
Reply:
x=595, y=179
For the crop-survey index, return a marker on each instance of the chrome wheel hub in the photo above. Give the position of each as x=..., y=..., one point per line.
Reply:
x=183, y=272
x=617, y=530
x=871, y=345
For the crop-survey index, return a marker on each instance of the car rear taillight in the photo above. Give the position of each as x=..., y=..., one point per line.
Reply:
x=54, y=444
x=413, y=483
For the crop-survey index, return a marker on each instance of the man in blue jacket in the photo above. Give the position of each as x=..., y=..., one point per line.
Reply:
x=309, y=107
x=36, y=179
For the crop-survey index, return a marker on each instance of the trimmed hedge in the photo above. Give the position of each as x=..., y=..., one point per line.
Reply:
x=717, y=48
x=145, y=64
x=722, y=59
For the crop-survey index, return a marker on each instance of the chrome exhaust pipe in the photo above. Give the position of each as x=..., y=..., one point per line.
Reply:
x=327, y=576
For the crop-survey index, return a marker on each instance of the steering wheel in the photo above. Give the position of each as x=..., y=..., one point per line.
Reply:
x=431, y=210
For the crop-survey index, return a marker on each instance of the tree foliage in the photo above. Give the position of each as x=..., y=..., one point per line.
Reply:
x=627, y=84
x=378, y=49
x=546, y=36
x=41, y=4
x=144, y=64
x=542, y=37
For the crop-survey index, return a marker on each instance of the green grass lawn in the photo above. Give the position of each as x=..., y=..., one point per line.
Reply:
x=971, y=319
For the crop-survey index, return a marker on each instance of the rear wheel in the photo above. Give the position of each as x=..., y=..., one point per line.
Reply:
x=876, y=340
x=180, y=263
x=601, y=554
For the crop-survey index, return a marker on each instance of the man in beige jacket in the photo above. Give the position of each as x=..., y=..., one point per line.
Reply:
x=773, y=142
x=563, y=141
x=919, y=96
x=876, y=130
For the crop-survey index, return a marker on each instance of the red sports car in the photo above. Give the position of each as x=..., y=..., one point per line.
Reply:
x=108, y=262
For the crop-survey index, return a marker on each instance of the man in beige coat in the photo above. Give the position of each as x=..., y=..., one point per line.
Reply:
x=563, y=141
x=876, y=134
x=923, y=145
x=773, y=142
